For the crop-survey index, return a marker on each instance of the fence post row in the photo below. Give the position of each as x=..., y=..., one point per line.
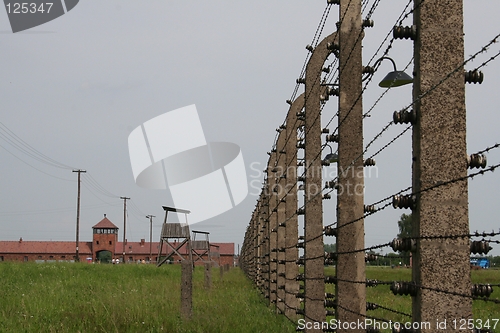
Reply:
x=269, y=254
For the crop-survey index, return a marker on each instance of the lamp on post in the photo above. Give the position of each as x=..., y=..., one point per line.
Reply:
x=331, y=157
x=393, y=79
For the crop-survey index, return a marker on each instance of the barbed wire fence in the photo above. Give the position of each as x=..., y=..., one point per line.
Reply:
x=296, y=285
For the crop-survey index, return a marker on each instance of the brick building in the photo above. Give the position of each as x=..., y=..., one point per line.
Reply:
x=103, y=247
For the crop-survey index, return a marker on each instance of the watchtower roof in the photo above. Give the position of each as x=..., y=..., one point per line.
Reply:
x=105, y=224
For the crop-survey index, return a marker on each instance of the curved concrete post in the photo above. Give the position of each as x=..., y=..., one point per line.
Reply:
x=313, y=222
x=351, y=297
x=273, y=225
x=280, y=182
x=291, y=228
x=264, y=216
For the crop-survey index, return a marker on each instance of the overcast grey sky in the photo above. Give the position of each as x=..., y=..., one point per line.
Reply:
x=74, y=89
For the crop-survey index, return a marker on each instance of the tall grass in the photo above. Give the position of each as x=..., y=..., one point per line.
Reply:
x=62, y=297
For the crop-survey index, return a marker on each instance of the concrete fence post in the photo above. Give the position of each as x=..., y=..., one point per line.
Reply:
x=280, y=229
x=208, y=275
x=291, y=227
x=439, y=155
x=351, y=296
x=186, y=289
x=314, y=284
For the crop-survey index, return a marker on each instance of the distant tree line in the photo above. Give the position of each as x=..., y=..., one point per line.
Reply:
x=330, y=247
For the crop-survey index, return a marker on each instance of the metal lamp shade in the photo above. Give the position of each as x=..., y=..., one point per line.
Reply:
x=395, y=79
x=331, y=158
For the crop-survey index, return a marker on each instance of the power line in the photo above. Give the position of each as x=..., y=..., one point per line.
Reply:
x=33, y=167
x=95, y=184
x=16, y=142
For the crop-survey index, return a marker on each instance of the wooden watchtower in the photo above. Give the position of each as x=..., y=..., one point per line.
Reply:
x=215, y=254
x=178, y=231
x=200, y=247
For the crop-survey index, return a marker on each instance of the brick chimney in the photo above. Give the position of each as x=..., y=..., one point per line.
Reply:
x=20, y=240
x=143, y=241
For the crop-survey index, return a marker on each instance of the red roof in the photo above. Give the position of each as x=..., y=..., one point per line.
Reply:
x=64, y=247
x=42, y=247
x=224, y=248
x=138, y=248
x=105, y=224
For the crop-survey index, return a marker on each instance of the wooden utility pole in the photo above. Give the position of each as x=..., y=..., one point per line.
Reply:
x=351, y=295
x=439, y=155
x=150, y=217
x=77, y=254
x=124, y=224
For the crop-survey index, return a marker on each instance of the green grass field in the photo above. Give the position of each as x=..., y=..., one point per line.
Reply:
x=60, y=297
x=127, y=298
